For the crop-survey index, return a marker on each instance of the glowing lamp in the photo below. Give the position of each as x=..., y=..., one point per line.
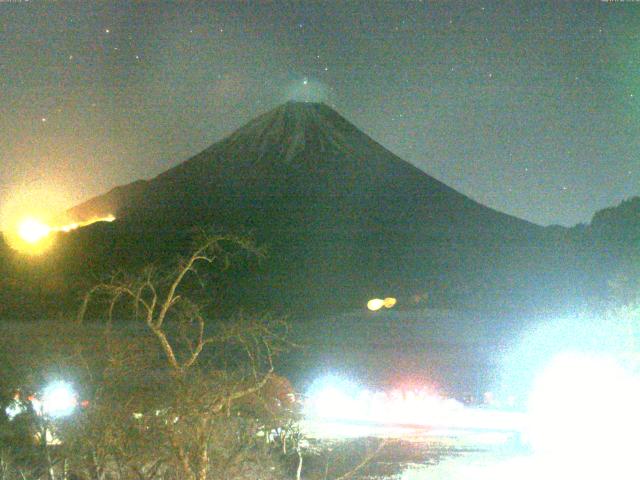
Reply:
x=32, y=231
x=58, y=400
x=389, y=302
x=375, y=304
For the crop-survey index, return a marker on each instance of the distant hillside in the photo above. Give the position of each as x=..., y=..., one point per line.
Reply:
x=620, y=223
x=615, y=235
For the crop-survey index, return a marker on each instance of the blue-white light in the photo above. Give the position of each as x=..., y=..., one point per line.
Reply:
x=58, y=400
x=14, y=409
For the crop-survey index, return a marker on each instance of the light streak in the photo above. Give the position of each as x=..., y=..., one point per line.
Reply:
x=32, y=235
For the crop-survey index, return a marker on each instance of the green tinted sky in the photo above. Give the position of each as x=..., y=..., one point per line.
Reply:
x=531, y=108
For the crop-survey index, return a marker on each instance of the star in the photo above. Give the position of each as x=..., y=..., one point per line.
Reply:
x=106, y=30
x=305, y=81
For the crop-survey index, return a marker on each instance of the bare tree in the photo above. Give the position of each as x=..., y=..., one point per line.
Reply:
x=198, y=402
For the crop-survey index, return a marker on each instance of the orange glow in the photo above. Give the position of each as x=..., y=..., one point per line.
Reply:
x=75, y=225
x=33, y=236
x=389, y=302
x=32, y=230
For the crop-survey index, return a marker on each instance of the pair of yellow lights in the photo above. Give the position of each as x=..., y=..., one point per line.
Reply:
x=377, y=303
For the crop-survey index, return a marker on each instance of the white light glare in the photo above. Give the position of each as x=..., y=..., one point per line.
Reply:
x=59, y=399
x=14, y=409
x=32, y=230
x=586, y=407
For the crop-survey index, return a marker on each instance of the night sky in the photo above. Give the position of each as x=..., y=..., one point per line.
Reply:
x=531, y=109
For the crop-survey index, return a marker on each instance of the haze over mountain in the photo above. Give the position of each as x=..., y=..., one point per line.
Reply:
x=343, y=219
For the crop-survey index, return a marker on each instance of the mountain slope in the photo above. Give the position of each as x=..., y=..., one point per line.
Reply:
x=300, y=150
x=343, y=218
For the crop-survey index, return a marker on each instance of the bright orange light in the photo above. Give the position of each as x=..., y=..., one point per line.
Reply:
x=75, y=225
x=30, y=235
x=27, y=213
x=33, y=236
x=32, y=230
x=389, y=302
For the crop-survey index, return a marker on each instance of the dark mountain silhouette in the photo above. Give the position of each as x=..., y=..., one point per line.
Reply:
x=296, y=152
x=343, y=220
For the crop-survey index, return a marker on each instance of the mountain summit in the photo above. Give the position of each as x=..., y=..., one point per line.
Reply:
x=343, y=218
x=298, y=149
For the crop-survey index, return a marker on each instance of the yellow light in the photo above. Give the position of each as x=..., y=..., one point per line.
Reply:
x=389, y=302
x=32, y=230
x=375, y=304
x=68, y=228
x=30, y=234
x=33, y=236
x=75, y=225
